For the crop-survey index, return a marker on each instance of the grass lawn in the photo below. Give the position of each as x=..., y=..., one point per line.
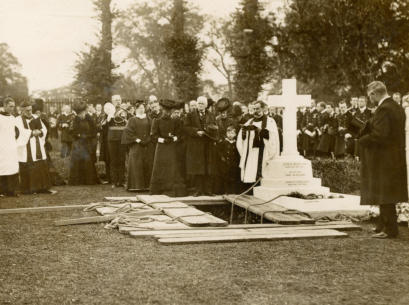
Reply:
x=87, y=264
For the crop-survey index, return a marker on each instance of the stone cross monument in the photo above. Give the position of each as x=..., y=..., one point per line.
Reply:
x=290, y=101
x=290, y=172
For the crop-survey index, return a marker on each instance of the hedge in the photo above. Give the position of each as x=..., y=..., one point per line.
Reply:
x=341, y=176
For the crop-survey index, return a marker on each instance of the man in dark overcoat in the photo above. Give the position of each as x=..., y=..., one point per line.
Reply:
x=383, y=167
x=201, y=132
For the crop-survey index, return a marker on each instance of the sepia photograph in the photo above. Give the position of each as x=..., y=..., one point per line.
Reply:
x=204, y=152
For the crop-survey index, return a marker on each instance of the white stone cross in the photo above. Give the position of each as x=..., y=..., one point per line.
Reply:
x=290, y=101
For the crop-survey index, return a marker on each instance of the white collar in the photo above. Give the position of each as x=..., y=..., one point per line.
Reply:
x=140, y=116
x=362, y=109
x=382, y=100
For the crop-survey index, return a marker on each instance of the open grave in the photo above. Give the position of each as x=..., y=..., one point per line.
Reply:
x=202, y=220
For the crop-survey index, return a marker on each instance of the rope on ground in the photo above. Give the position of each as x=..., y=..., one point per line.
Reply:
x=132, y=221
x=125, y=208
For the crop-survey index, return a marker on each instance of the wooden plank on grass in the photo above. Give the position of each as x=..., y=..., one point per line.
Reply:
x=300, y=234
x=43, y=209
x=190, y=200
x=106, y=218
x=183, y=232
x=229, y=231
x=169, y=205
x=235, y=232
x=194, y=217
x=124, y=198
x=269, y=210
x=337, y=225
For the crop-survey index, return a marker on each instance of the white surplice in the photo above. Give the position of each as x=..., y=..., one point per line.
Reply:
x=249, y=154
x=25, y=138
x=8, y=146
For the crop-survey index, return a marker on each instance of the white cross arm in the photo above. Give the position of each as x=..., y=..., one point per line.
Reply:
x=289, y=98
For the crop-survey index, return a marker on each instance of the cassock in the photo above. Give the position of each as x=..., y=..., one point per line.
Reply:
x=8, y=154
x=258, y=143
x=34, y=175
x=137, y=136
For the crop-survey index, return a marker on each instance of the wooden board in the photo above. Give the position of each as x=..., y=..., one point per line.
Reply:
x=236, y=232
x=299, y=234
x=190, y=200
x=338, y=225
x=43, y=209
x=270, y=210
x=194, y=217
x=125, y=198
x=169, y=205
x=248, y=228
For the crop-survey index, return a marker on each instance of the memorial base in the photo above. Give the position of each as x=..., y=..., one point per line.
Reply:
x=289, y=174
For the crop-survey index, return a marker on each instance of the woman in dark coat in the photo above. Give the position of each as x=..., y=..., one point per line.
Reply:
x=137, y=136
x=166, y=131
x=383, y=162
x=82, y=162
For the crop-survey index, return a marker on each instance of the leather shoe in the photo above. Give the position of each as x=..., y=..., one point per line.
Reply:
x=382, y=235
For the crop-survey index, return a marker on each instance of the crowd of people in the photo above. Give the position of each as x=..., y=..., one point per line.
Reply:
x=199, y=148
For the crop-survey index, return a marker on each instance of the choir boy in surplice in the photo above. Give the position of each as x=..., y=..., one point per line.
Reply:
x=258, y=143
x=34, y=173
x=8, y=149
x=137, y=136
x=166, y=132
x=200, y=128
x=230, y=159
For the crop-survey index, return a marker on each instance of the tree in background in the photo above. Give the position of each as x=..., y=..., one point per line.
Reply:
x=337, y=47
x=218, y=51
x=94, y=79
x=12, y=82
x=252, y=34
x=143, y=29
x=131, y=88
x=184, y=54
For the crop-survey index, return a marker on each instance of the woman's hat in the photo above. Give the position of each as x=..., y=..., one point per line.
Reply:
x=167, y=104
x=80, y=106
x=223, y=104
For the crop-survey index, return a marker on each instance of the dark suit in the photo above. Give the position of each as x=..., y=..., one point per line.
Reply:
x=201, y=151
x=383, y=168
